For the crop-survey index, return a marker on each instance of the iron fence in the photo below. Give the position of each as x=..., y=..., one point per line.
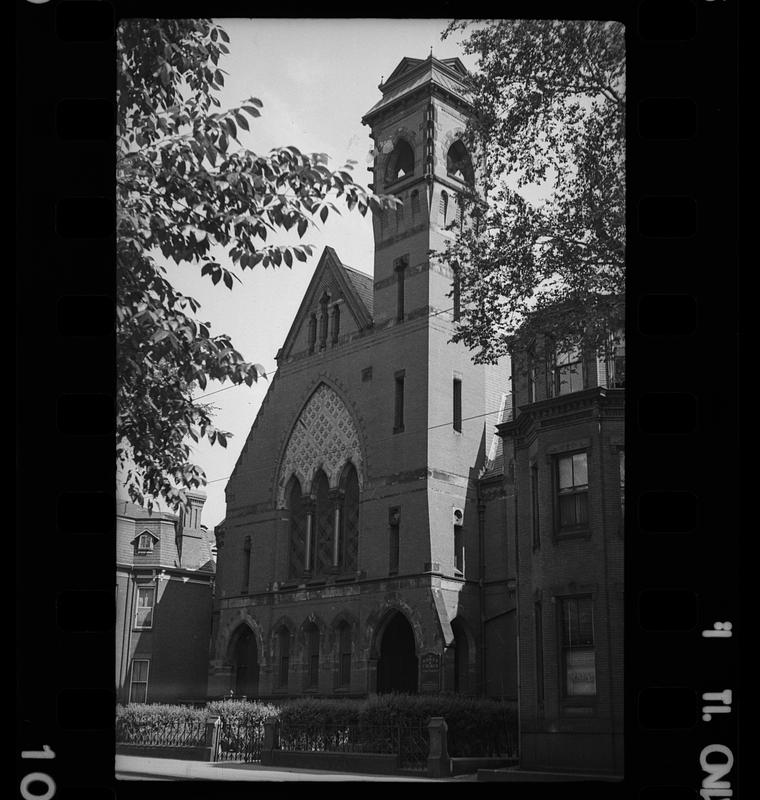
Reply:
x=161, y=733
x=239, y=741
x=409, y=741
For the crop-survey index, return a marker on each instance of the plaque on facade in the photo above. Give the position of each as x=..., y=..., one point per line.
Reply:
x=430, y=672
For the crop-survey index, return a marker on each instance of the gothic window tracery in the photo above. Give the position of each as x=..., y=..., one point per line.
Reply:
x=324, y=436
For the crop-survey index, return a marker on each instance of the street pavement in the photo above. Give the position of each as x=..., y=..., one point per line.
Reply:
x=163, y=769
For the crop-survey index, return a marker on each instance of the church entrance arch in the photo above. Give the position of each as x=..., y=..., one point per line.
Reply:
x=397, y=665
x=245, y=659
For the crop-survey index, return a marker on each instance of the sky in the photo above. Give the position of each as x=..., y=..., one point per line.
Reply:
x=316, y=79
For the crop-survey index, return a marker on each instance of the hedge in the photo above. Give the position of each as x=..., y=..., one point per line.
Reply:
x=476, y=726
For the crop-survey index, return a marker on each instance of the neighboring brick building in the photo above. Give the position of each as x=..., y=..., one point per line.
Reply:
x=565, y=479
x=364, y=546
x=164, y=591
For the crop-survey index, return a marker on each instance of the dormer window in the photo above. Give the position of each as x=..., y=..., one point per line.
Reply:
x=400, y=163
x=145, y=543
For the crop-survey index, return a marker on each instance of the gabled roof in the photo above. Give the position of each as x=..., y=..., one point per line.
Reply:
x=144, y=530
x=355, y=287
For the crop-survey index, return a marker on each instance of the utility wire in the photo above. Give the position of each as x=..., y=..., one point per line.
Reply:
x=272, y=372
x=387, y=438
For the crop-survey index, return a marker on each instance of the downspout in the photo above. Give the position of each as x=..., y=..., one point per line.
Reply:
x=481, y=590
x=606, y=585
x=517, y=595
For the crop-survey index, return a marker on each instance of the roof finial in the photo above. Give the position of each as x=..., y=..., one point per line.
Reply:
x=431, y=51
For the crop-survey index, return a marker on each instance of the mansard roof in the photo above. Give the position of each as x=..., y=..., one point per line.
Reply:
x=355, y=287
x=125, y=508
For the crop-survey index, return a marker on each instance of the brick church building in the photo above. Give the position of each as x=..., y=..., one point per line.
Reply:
x=395, y=521
x=364, y=543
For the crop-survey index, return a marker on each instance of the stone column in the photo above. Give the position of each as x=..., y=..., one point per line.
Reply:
x=438, y=763
x=213, y=727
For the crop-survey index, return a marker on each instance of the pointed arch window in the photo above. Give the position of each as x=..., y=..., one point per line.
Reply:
x=321, y=551
x=400, y=163
x=444, y=207
x=312, y=332
x=344, y=655
x=246, y=565
x=456, y=294
x=297, y=507
x=312, y=656
x=323, y=320
x=349, y=527
x=335, y=323
x=415, y=202
x=283, y=657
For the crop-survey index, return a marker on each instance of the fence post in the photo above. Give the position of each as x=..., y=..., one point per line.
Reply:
x=271, y=742
x=213, y=725
x=438, y=763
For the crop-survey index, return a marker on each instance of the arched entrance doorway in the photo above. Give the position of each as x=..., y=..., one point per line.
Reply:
x=246, y=660
x=397, y=666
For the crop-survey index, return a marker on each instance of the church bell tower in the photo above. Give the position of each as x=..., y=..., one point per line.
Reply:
x=419, y=158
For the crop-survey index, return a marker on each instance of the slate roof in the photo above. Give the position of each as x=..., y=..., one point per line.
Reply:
x=364, y=285
x=495, y=466
x=411, y=73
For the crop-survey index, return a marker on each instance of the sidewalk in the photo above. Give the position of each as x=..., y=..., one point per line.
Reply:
x=163, y=769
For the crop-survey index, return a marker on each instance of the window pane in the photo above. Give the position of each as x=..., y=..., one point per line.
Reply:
x=580, y=664
x=138, y=693
x=568, y=356
x=144, y=618
x=345, y=669
x=145, y=597
x=580, y=470
x=139, y=670
x=575, y=377
x=585, y=621
x=567, y=511
x=581, y=508
x=565, y=472
x=314, y=670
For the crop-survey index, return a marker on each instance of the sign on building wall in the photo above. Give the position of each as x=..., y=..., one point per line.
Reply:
x=581, y=672
x=430, y=672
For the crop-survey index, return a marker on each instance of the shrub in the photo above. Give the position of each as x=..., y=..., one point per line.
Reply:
x=242, y=712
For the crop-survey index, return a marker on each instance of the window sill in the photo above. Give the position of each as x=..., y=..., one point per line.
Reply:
x=141, y=630
x=583, y=533
x=399, y=429
x=578, y=708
